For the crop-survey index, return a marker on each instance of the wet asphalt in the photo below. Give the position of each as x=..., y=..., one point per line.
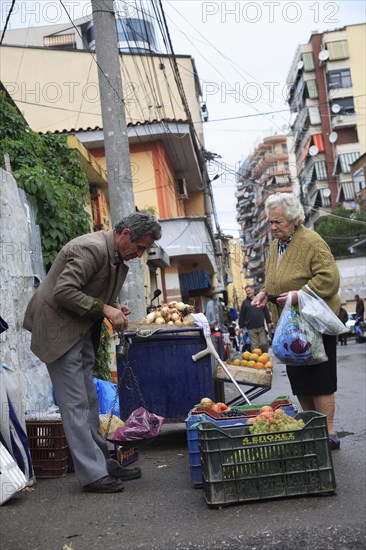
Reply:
x=162, y=511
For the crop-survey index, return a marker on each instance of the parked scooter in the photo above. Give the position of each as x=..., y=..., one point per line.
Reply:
x=222, y=333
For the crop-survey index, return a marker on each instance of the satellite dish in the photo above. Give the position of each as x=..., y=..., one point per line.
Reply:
x=333, y=137
x=300, y=65
x=326, y=192
x=335, y=108
x=246, y=194
x=323, y=55
x=313, y=151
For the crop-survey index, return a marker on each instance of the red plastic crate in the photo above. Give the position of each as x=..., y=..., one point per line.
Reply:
x=48, y=448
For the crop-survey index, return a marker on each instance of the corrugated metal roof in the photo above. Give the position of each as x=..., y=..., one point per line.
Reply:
x=129, y=125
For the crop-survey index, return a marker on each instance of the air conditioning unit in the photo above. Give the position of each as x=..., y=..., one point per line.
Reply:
x=339, y=118
x=218, y=246
x=182, y=188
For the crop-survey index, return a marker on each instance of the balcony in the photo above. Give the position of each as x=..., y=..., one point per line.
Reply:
x=188, y=238
x=344, y=120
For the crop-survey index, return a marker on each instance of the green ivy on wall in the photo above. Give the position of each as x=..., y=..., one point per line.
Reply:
x=45, y=167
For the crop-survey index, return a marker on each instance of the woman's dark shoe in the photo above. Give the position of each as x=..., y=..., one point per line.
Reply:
x=125, y=474
x=106, y=484
x=334, y=442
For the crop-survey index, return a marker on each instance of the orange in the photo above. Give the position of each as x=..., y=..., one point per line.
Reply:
x=259, y=365
x=236, y=362
x=257, y=351
x=244, y=363
x=268, y=364
x=253, y=357
x=262, y=359
x=251, y=364
x=246, y=355
x=266, y=355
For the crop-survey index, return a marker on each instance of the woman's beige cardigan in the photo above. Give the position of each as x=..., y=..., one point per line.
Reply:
x=307, y=260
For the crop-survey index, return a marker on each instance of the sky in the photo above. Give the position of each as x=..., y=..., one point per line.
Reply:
x=243, y=51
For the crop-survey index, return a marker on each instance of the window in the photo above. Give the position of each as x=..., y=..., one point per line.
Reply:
x=284, y=148
x=337, y=49
x=359, y=179
x=339, y=79
x=345, y=103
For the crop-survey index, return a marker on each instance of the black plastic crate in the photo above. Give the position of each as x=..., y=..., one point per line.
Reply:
x=238, y=466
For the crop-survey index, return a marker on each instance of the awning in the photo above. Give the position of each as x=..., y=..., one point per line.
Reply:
x=346, y=192
x=325, y=196
x=344, y=161
x=321, y=170
x=194, y=280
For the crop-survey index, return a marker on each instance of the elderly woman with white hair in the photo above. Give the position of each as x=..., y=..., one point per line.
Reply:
x=297, y=257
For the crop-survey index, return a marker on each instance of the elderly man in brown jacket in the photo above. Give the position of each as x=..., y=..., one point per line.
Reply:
x=65, y=317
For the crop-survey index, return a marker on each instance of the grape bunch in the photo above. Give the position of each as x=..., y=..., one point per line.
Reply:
x=278, y=421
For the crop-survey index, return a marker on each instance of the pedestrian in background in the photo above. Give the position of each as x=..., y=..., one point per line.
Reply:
x=214, y=310
x=360, y=312
x=297, y=257
x=65, y=317
x=253, y=320
x=343, y=316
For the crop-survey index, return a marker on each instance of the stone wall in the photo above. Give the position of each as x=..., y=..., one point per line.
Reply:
x=20, y=253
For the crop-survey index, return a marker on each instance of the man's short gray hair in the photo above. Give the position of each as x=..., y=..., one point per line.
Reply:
x=292, y=208
x=140, y=224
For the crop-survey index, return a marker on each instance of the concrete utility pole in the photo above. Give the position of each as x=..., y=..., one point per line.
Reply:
x=120, y=186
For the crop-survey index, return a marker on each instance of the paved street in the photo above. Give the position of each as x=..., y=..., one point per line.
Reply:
x=162, y=511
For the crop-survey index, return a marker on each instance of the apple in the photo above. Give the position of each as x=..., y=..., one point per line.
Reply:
x=206, y=402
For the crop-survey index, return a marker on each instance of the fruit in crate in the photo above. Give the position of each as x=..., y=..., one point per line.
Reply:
x=256, y=359
x=276, y=421
x=217, y=407
x=206, y=402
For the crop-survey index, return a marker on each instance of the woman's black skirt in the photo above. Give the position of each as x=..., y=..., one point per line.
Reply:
x=318, y=379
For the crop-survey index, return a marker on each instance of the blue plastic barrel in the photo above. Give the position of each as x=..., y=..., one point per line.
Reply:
x=171, y=383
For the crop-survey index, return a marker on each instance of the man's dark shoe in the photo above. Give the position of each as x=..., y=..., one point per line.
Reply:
x=106, y=484
x=125, y=474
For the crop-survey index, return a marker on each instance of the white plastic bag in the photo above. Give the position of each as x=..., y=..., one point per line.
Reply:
x=318, y=314
x=296, y=342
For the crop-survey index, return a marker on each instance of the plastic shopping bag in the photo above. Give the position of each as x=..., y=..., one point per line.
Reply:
x=141, y=424
x=319, y=315
x=295, y=342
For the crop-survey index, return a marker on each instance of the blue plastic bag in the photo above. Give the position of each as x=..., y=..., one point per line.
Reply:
x=295, y=342
x=106, y=392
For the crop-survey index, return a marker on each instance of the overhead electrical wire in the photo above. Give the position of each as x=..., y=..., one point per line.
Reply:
x=7, y=21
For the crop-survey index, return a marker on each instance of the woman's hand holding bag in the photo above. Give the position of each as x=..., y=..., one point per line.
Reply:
x=295, y=341
x=318, y=314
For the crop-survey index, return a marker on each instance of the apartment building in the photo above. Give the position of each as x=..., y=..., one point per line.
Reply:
x=327, y=86
x=269, y=169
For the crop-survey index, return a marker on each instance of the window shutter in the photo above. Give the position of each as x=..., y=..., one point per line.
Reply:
x=308, y=60
x=337, y=49
x=312, y=89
